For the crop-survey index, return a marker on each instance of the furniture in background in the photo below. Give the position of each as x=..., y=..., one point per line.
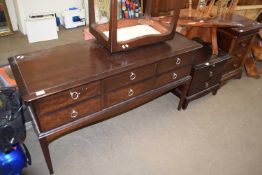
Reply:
x=5, y=23
x=85, y=84
x=206, y=74
x=41, y=27
x=237, y=42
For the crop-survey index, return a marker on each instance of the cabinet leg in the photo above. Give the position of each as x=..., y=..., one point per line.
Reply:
x=185, y=104
x=214, y=92
x=184, y=89
x=44, y=145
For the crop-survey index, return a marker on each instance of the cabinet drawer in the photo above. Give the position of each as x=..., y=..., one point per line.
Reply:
x=201, y=86
x=129, y=77
x=73, y=112
x=172, y=76
x=126, y=93
x=206, y=73
x=232, y=64
x=242, y=45
x=62, y=99
x=175, y=62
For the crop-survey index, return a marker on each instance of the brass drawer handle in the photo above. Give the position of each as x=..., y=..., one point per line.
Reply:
x=174, y=76
x=74, y=114
x=207, y=85
x=235, y=65
x=239, y=55
x=243, y=44
x=74, y=95
x=178, y=61
x=131, y=92
x=211, y=74
x=132, y=76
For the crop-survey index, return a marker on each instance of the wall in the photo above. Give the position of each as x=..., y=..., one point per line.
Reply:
x=27, y=7
x=12, y=13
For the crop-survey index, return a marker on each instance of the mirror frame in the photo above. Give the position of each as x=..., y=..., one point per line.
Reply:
x=8, y=21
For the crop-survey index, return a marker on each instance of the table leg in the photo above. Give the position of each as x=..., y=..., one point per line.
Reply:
x=44, y=145
x=184, y=89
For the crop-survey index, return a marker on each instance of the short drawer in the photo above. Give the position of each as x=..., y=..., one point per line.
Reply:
x=232, y=64
x=129, y=77
x=62, y=99
x=175, y=62
x=172, y=76
x=73, y=112
x=126, y=93
x=208, y=72
x=241, y=45
x=201, y=86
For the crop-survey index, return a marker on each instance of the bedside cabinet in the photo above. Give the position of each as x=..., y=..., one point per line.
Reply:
x=237, y=42
x=206, y=74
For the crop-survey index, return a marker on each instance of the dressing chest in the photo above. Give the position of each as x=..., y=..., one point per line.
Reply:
x=72, y=86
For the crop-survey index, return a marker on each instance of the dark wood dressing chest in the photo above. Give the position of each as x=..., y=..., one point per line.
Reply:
x=206, y=74
x=237, y=42
x=72, y=86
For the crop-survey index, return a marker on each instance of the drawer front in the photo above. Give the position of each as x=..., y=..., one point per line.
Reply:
x=129, y=77
x=126, y=93
x=201, y=86
x=175, y=62
x=241, y=46
x=232, y=64
x=172, y=76
x=62, y=99
x=206, y=73
x=60, y=117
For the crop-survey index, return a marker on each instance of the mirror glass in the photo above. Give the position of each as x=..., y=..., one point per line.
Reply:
x=5, y=25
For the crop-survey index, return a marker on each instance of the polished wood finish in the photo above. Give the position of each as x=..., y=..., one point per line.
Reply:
x=237, y=42
x=81, y=82
x=206, y=74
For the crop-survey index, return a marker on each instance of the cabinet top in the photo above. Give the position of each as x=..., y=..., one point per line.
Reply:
x=49, y=71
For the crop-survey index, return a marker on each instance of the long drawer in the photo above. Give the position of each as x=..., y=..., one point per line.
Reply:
x=62, y=99
x=174, y=62
x=126, y=93
x=173, y=75
x=73, y=112
x=232, y=64
x=129, y=77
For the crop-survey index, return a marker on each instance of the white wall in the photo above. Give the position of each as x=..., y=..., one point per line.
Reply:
x=27, y=7
x=12, y=13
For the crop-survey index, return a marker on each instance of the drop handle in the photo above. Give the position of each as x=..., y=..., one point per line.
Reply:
x=235, y=65
x=74, y=95
x=131, y=92
x=132, y=76
x=174, y=76
x=211, y=74
x=207, y=85
x=178, y=61
x=239, y=55
x=74, y=114
x=243, y=44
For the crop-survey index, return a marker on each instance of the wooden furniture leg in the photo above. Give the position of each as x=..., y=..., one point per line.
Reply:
x=184, y=89
x=44, y=145
x=214, y=41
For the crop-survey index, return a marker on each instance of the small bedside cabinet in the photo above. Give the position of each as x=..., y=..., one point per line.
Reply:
x=206, y=74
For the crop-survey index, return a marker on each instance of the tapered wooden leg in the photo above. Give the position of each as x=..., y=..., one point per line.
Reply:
x=44, y=145
x=184, y=89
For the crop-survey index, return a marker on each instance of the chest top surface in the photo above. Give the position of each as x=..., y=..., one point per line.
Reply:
x=53, y=70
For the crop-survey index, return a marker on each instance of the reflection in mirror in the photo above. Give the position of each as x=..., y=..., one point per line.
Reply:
x=5, y=24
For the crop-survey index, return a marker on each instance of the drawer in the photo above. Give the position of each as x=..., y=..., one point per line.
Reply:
x=241, y=45
x=126, y=93
x=175, y=62
x=172, y=76
x=73, y=112
x=62, y=99
x=201, y=86
x=232, y=64
x=129, y=77
x=208, y=72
